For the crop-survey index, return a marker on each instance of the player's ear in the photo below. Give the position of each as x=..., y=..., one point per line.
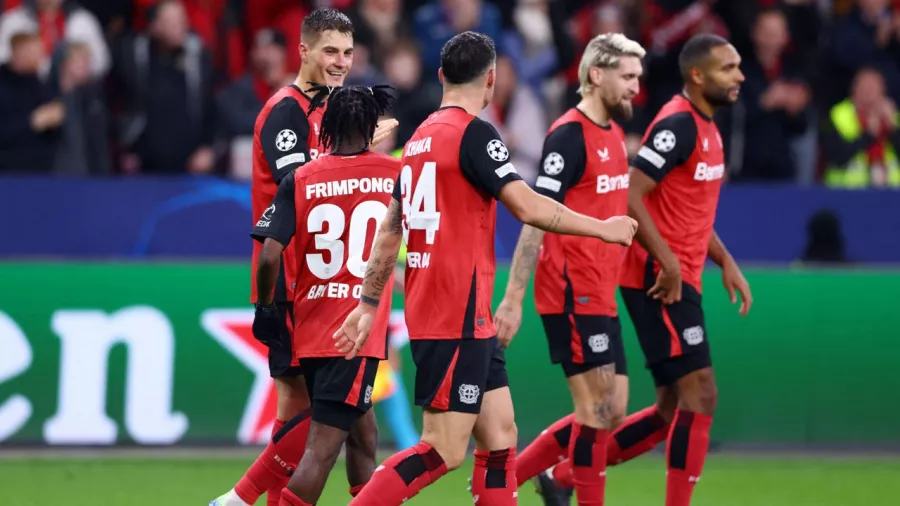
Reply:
x=304, y=52
x=697, y=76
x=491, y=77
x=441, y=75
x=595, y=76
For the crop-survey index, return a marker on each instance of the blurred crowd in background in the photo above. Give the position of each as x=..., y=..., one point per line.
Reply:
x=100, y=87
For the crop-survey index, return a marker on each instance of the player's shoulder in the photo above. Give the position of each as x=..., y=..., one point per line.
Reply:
x=566, y=128
x=571, y=117
x=452, y=120
x=680, y=125
x=478, y=128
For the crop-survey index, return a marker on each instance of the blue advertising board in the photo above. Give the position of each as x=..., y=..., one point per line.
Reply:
x=200, y=217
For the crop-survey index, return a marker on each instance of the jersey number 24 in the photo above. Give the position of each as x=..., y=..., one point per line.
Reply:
x=420, y=204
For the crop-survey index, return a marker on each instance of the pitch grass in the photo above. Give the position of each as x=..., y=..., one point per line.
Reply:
x=729, y=480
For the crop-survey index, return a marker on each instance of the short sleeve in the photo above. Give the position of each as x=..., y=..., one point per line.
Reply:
x=284, y=137
x=669, y=144
x=562, y=161
x=397, y=195
x=484, y=158
x=279, y=220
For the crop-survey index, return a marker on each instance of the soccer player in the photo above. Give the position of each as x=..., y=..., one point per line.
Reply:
x=673, y=193
x=333, y=206
x=455, y=167
x=286, y=136
x=585, y=167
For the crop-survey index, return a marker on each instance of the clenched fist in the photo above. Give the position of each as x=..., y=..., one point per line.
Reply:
x=619, y=230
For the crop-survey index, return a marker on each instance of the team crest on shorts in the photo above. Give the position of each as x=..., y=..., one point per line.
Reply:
x=368, y=398
x=693, y=335
x=468, y=394
x=598, y=343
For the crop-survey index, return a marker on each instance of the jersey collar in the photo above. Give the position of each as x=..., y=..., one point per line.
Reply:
x=694, y=107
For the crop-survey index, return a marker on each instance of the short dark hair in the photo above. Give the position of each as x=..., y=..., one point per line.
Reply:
x=324, y=19
x=467, y=56
x=20, y=38
x=353, y=113
x=697, y=49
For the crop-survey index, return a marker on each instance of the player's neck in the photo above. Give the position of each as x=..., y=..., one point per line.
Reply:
x=696, y=98
x=350, y=148
x=464, y=98
x=303, y=80
x=593, y=108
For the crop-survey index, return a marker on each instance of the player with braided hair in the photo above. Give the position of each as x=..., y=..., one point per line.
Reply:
x=333, y=203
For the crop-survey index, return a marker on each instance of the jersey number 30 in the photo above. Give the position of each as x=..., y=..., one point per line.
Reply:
x=330, y=240
x=420, y=205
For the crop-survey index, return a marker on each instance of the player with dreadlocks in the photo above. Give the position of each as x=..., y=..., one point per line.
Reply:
x=330, y=209
x=286, y=136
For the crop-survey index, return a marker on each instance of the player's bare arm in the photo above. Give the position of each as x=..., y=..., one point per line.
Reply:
x=508, y=317
x=267, y=270
x=668, y=284
x=550, y=216
x=275, y=229
x=732, y=277
x=383, y=259
x=352, y=335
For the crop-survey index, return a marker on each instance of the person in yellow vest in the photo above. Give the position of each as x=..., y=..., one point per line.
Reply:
x=861, y=139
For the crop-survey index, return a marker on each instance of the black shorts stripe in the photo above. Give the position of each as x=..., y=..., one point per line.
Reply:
x=569, y=294
x=468, y=329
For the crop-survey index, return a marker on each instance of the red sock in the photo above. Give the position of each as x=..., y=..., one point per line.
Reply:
x=547, y=449
x=639, y=434
x=494, y=478
x=685, y=454
x=587, y=451
x=273, y=468
x=402, y=476
x=288, y=498
x=354, y=491
x=562, y=474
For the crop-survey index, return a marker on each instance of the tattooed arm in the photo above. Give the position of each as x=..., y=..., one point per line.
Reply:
x=352, y=336
x=508, y=316
x=383, y=259
x=524, y=262
x=546, y=214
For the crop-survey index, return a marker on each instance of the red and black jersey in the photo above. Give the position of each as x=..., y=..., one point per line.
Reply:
x=454, y=167
x=682, y=152
x=284, y=138
x=329, y=211
x=585, y=167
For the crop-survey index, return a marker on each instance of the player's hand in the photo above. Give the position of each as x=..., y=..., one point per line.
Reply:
x=267, y=324
x=508, y=319
x=383, y=130
x=352, y=335
x=668, y=285
x=734, y=281
x=619, y=230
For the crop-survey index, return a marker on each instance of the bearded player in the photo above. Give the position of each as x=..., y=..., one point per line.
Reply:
x=585, y=167
x=286, y=136
x=674, y=190
x=455, y=167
